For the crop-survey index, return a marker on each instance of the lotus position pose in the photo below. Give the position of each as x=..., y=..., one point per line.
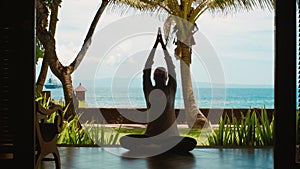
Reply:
x=162, y=128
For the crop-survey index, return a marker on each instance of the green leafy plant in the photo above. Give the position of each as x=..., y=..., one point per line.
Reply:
x=73, y=134
x=103, y=135
x=250, y=130
x=88, y=134
x=43, y=101
x=265, y=129
x=46, y=103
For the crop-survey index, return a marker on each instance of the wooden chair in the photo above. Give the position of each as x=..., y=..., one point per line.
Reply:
x=47, y=133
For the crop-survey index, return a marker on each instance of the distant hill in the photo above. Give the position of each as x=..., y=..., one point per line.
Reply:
x=209, y=85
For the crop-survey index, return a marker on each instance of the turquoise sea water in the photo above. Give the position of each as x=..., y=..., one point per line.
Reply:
x=133, y=97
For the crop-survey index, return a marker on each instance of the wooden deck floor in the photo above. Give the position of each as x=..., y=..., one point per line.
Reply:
x=199, y=158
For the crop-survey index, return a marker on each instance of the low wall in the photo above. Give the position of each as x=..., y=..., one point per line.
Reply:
x=138, y=116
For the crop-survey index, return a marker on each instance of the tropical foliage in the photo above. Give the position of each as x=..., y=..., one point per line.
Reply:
x=87, y=134
x=252, y=130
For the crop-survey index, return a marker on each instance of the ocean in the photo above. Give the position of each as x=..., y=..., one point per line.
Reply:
x=105, y=96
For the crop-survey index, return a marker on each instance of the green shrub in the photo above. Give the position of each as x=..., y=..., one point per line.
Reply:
x=87, y=134
x=75, y=134
x=250, y=131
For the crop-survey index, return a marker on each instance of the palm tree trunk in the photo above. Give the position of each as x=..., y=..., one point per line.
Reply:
x=194, y=116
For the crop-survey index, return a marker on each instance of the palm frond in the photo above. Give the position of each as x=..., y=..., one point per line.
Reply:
x=166, y=9
x=141, y=5
x=153, y=8
x=229, y=6
x=234, y=5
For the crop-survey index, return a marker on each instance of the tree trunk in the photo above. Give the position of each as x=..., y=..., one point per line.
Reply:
x=42, y=77
x=87, y=40
x=66, y=79
x=52, y=29
x=194, y=116
x=47, y=39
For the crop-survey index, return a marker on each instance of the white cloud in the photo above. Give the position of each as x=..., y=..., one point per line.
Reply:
x=112, y=59
x=67, y=53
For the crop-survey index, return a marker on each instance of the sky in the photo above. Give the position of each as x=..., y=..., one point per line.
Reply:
x=236, y=48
